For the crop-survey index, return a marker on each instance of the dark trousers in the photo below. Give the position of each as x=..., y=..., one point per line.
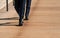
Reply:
x=20, y=8
x=28, y=4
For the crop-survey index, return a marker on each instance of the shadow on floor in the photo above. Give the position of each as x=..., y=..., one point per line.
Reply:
x=9, y=24
x=13, y=18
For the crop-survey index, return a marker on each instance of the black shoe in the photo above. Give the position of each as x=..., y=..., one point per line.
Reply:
x=20, y=22
x=26, y=19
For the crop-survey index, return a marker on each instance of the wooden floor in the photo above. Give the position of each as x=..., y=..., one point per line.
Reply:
x=44, y=21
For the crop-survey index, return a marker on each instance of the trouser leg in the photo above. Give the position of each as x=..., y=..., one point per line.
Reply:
x=28, y=4
x=22, y=9
x=17, y=9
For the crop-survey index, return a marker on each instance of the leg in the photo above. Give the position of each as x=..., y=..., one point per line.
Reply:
x=28, y=4
x=16, y=6
x=22, y=9
x=20, y=19
x=18, y=10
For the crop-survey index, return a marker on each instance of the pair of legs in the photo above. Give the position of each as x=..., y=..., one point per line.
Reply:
x=20, y=8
